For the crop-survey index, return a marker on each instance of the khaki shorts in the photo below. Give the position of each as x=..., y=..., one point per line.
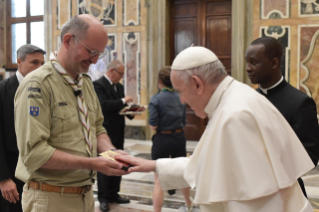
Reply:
x=42, y=201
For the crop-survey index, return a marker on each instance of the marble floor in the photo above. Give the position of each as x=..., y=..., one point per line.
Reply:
x=139, y=186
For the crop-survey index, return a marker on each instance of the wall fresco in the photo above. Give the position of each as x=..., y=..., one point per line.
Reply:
x=104, y=10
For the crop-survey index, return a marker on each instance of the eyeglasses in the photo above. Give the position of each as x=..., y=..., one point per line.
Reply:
x=119, y=72
x=92, y=53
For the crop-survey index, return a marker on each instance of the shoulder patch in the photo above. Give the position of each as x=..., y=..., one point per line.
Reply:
x=34, y=89
x=34, y=111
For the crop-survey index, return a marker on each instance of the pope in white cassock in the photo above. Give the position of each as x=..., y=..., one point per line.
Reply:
x=248, y=158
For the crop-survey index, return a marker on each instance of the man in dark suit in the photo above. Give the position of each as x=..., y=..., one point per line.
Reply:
x=263, y=58
x=29, y=58
x=112, y=99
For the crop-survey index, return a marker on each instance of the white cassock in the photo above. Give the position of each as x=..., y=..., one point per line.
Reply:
x=247, y=160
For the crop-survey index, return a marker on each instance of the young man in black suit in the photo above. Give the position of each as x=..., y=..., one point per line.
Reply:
x=29, y=58
x=112, y=99
x=263, y=58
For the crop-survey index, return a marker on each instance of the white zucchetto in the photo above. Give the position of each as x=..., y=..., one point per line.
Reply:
x=193, y=57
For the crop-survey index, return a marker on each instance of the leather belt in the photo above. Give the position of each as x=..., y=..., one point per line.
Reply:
x=170, y=131
x=59, y=189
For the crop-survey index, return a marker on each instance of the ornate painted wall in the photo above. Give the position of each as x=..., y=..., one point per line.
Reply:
x=295, y=24
x=125, y=21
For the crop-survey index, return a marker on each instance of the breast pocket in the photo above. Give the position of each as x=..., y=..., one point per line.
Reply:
x=65, y=121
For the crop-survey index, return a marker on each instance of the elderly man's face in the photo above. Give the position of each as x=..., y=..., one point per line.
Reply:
x=188, y=94
x=79, y=51
x=31, y=62
x=118, y=74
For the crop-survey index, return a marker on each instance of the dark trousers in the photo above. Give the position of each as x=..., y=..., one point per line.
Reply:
x=5, y=205
x=109, y=186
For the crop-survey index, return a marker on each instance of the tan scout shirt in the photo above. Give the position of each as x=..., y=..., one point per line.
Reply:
x=47, y=118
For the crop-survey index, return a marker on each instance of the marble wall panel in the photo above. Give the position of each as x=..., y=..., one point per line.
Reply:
x=273, y=9
x=310, y=65
x=64, y=12
x=305, y=34
x=132, y=61
x=308, y=8
x=2, y=25
x=97, y=70
x=104, y=10
x=282, y=34
x=131, y=12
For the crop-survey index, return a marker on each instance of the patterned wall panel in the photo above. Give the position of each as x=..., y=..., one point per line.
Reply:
x=2, y=24
x=64, y=12
x=273, y=9
x=306, y=35
x=97, y=70
x=104, y=10
x=282, y=34
x=132, y=61
x=308, y=8
x=309, y=54
x=131, y=12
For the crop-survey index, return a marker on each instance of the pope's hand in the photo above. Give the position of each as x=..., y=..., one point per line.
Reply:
x=108, y=167
x=139, y=164
x=9, y=190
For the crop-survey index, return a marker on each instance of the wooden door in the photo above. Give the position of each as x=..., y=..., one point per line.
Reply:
x=202, y=23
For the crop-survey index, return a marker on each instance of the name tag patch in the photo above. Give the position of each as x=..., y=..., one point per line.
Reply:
x=63, y=104
x=34, y=96
x=34, y=89
x=34, y=111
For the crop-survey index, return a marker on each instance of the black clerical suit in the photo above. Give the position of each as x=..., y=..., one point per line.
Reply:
x=301, y=113
x=9, y=152
x=111, y=103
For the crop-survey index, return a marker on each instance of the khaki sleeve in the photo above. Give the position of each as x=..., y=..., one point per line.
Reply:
x=32, y=124
x=99, y=119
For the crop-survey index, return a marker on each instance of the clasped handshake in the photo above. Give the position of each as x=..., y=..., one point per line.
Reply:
x=130, y=163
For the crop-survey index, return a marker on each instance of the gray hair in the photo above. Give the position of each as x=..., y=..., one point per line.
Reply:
x=75, y=26
x=114, y=64
x=26, y=49
x=210, y=73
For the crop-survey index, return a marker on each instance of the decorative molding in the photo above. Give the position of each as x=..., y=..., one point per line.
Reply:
x=105, y=11
x=306, y=60
x=60, y=14
x=276, y=12
x=299, y=62
x=131, y=12
x=132, y=60
x=308, y=8
x=282, y=34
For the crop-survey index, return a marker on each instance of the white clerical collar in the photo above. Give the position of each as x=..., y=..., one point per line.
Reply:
x=265, y=90
x=108, y=79
x=19, y=76
x=215, y=98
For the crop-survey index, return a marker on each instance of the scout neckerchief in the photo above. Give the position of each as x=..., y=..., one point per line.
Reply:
x=170, y=89
x=83, y=112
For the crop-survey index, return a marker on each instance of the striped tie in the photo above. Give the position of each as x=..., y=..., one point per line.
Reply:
x=83, y=112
